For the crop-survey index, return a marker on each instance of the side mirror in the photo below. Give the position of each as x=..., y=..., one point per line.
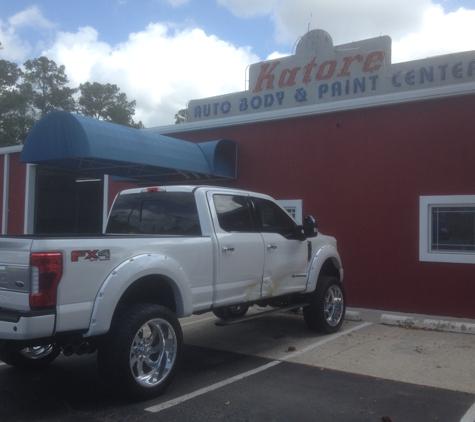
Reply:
x=310, y=226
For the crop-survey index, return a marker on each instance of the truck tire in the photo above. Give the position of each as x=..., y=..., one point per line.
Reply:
x=141, y=352
x=326, y=311
x=36, y=357
x=231, y=312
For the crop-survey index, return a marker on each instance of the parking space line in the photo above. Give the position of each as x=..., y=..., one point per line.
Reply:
x=205, y=390
x=324, y=341
x=470, y=415
x=178, y=400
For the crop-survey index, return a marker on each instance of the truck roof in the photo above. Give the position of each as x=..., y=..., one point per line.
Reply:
x=186, y=188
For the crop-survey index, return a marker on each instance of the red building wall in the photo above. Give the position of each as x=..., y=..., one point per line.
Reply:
x=2, y=167
x=361, y=173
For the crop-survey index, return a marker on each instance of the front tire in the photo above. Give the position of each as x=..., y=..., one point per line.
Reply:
x=140, y=354
x=326, y=311
x=36, y=357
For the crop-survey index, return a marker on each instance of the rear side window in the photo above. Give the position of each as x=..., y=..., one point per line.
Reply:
x=166, y=213
x=233, y=213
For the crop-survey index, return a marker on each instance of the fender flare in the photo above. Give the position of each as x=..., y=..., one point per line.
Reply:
x=124, y=275
x=322, y=255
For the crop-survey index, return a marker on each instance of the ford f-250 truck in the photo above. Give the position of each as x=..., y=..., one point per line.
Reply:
x=167, y=253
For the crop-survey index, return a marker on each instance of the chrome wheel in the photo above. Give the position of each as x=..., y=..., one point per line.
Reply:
x=141, y=353
x=326, y=309
x=37, y=352
x=238, y=310
x=153, y=352
x=35, y=357
x=333, y=306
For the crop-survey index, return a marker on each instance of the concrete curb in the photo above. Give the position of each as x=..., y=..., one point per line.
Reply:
x=353, y=316
x=428, y=324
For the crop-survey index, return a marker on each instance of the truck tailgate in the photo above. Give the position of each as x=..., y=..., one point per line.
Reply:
x=15, y=250
x=14, y=272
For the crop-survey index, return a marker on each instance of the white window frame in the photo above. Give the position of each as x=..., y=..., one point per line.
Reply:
x=293, y=203
x=425, y=205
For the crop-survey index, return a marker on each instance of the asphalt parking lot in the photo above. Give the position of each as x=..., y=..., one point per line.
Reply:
x=272, y=369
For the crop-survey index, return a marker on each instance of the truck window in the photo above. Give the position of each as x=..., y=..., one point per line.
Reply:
x=165, y=213
x=233, y=213
x=272, y=218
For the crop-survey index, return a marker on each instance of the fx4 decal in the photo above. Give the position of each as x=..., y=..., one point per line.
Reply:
x=95, y=255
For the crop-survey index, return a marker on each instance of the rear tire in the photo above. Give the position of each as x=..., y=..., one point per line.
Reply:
x=141, y=353
x=231, y=312
x=326, y=311
x=36, y=357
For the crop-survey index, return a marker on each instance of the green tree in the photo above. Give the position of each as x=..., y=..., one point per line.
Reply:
x=10, y=73
x=106, y=102
x=47, y=83
x=181, y=116
x=16, y=114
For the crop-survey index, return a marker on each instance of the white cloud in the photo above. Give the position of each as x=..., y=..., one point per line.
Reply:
x=176, y=3
x=418, y=28
x=439, y=33
x=348, y=20
x=79, y=52
x=14, y=47
x=30, y=17
x=276, y=55
x=162, y=68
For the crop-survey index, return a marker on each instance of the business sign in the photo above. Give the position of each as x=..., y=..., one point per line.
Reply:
x=321, y=73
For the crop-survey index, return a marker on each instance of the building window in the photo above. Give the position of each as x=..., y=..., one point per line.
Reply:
x=292, y=211
x=447, y=229
x=293, y=208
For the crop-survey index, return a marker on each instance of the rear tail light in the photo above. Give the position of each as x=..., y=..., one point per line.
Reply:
x=46, y=270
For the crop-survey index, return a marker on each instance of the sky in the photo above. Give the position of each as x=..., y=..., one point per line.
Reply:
x=164, y=53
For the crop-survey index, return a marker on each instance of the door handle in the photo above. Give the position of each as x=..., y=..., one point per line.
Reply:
x=229, y=248
x=271, y=246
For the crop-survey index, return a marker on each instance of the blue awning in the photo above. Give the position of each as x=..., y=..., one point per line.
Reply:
x=67, y=140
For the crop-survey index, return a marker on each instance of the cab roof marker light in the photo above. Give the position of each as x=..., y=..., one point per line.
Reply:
x=154, y=189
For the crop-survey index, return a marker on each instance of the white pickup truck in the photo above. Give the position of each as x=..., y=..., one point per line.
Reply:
x=168, y=252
